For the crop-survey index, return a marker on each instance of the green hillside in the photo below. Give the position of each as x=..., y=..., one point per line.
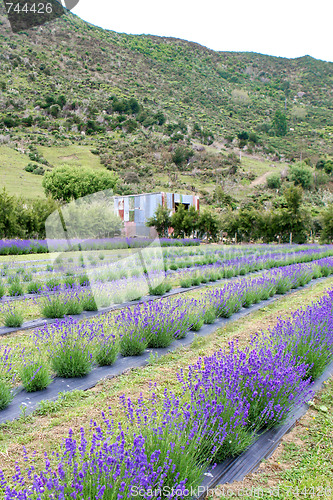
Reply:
x=15, y=178
x=163, y=113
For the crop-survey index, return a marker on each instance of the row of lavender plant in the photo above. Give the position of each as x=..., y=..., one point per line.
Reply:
x=162, y=444
x=30, y=277
x=73, y=272
x=68, y=274
x=70, y=271
x=72, y=298
x=69, y=348
x=172, y=255
x=246, y=264
x=19, y=247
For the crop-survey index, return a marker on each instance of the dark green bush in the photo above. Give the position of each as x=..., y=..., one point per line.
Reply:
x=274, y=181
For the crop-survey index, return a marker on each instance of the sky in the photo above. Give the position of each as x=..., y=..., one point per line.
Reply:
x=284, y=28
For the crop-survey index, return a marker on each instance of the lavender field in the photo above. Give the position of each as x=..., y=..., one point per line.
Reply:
x=92, y=280
x=164, y=440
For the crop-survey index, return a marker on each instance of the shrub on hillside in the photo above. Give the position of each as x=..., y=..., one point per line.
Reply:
x=274, y=181
x=301, y=175
x=182, y=155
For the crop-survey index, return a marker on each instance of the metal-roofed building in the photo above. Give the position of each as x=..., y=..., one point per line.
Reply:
x=135, y=210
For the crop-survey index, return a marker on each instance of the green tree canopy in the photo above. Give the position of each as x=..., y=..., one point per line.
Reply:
x=245, y=223
x=8, y=215
x=21, y=218
x=177, y=222
x=191, y=220
x=294, y=198
x=292, y=219
x=326, y=235
x=87, y=217
x=208, y=225
x=65, y=183
x=161, y=220
x=184, y=222
x=329, y=166
x=288, y=217
x=325, y=164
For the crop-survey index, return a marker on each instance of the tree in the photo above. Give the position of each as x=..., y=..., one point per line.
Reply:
x=8, y=215
x=294, y=219
x=326, y=235
x=41, y=210
x=177, y=222
x=280, y=123
x=224, y=199
x=20, y=218
x=160, y=118
x=134, y=105
x=92, y=216
x=161, y=220
x=326, y=165
x=294, y=197
x=320, y=165
x=184, y=222
x=253, y=138
x=287, y=217
x=130, y=125
x=61, y=101
x=65, y=183
x=208, y=225
x=243, y=135
x=245, y=224
x=190, y=221
x=301, y=175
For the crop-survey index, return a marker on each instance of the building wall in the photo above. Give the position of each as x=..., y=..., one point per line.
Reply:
x=137, y=209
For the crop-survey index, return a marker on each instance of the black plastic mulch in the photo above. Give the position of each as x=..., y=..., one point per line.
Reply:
x=26, y=403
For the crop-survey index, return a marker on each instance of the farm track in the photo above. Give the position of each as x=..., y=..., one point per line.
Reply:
x=30, y=401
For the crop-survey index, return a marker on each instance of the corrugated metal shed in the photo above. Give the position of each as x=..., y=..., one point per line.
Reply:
x=135, y=210
x=170, y=201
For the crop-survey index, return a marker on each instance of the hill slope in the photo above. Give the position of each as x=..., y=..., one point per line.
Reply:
x=70, y=83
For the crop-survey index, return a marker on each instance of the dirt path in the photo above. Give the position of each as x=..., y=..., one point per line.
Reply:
x=260, y=180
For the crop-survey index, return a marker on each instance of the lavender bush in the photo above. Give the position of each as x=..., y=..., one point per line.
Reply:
x=53, y=307
x=19, y=247
x=6, y=394
x=133, y=342
x=6, y=376
x=167, y=440
x=35, y=375
x=106, y=350
x=15, y=289
x=34, y=287
x=13, y=317
x=308, y=335
x=71, y=357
